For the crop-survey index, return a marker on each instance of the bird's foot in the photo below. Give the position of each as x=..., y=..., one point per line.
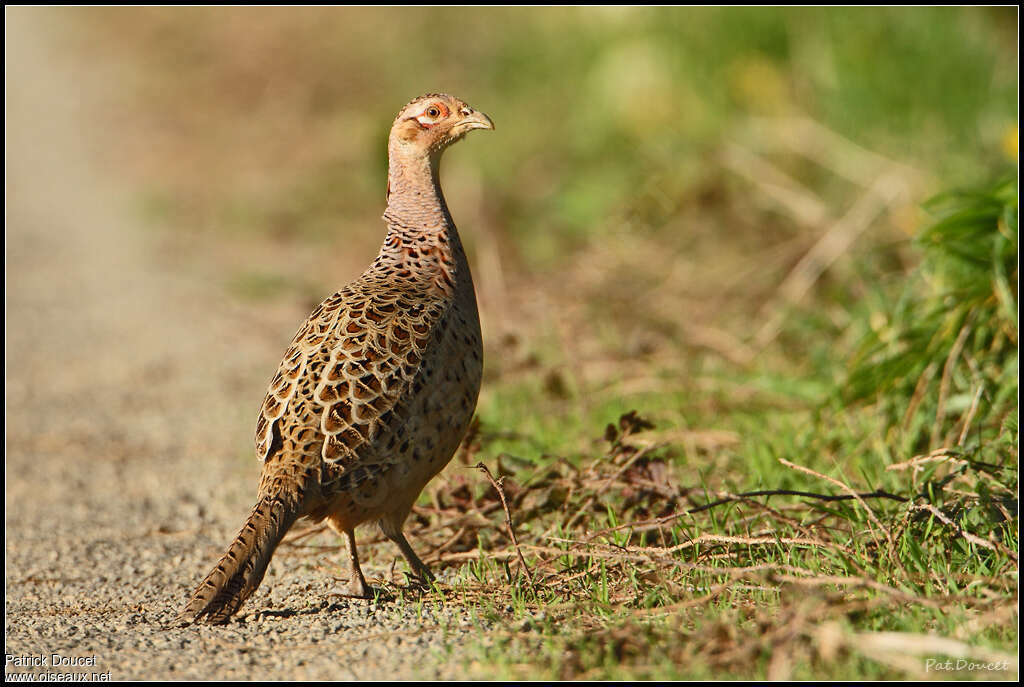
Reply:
x=355, y=589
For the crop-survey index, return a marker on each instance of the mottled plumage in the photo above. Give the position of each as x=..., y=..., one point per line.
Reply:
x=379, y=384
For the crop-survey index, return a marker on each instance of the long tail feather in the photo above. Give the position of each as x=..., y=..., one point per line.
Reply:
x=240, y=571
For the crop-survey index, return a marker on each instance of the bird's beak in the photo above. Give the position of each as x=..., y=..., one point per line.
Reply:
x=475, y=120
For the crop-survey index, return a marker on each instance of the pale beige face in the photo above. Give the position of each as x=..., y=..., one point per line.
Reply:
x=433, y=122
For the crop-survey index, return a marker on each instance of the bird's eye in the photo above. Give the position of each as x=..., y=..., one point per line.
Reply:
x=434, y=113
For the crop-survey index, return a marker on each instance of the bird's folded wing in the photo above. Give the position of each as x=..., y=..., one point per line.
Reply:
x=347, y=372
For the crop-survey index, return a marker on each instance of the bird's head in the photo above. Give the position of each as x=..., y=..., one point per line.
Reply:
x=431, y=123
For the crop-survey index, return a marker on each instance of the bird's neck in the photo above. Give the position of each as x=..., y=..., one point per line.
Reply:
x=415, y=200
x=422, y=239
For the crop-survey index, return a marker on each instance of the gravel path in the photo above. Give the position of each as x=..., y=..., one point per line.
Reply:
x=131, y=394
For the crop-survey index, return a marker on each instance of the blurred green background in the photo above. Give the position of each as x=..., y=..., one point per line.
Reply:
x=670, y=192
x=274, y=119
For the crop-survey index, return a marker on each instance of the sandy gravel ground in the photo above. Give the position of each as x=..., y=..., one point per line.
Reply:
x=130, y=397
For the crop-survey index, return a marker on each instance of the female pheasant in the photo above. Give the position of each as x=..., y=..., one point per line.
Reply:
x=379, y=384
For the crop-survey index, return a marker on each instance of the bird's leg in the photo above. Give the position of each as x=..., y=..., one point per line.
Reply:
x=357, y=586
x=419, y=568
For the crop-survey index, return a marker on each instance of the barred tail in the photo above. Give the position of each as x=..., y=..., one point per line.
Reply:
x=240, y=570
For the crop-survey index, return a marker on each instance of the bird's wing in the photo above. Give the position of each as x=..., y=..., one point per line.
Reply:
x=353, y=362
x=293, y=370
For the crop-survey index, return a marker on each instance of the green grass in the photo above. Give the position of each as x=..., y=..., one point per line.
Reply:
x=774, y=577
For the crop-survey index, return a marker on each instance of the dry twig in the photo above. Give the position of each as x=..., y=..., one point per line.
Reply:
x=508, y=522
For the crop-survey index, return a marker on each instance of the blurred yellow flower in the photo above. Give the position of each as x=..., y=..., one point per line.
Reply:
x=758, y=84
x=1010, y=142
